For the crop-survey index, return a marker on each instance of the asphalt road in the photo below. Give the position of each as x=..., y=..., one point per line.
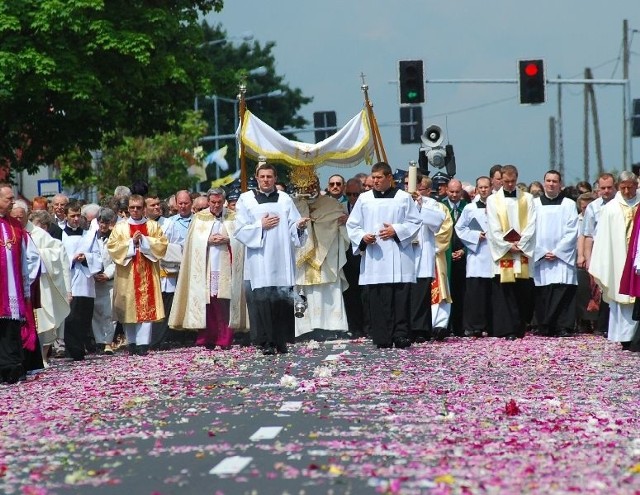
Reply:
x=462, y=416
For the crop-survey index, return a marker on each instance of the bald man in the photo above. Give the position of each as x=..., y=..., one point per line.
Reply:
x=456, y=258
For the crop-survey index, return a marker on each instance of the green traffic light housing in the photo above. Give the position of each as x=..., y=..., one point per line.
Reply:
x=411, y=77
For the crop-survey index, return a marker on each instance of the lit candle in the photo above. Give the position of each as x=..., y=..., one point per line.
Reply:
x=413, y=177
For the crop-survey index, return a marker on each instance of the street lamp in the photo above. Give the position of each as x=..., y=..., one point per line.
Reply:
x=244, y=37
x=276, y=93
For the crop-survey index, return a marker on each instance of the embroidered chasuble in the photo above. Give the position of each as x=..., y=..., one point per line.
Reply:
x=610, y=244
x=320, y=259
x=137, y=296
x=319, y=263
x=195, y=282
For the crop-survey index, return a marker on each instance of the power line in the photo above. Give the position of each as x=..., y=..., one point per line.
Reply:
x=615, y=68
x=475, y=107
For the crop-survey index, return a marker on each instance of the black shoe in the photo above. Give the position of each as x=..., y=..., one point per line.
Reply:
x=384, y=346
x=565, y=332
x=15, y=375
x=473, y=333
x=626, y=345
x=420, y=340
x=402, y=343
x=543, y=331
x=282, y=349
x=440, y=333
x=269, y=350
x=511, y=336
x=142, y=350
x=132, y=349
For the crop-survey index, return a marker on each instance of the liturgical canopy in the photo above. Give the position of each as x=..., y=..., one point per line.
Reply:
x=349, y=146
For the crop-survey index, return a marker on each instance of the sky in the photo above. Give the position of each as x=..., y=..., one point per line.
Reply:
x=322, y=48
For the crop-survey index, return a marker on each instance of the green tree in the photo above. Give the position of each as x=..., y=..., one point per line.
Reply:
x=73, y=71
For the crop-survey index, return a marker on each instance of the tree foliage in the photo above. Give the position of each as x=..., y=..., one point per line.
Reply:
x=72, y=71
x=161, y=160
x=120, y=76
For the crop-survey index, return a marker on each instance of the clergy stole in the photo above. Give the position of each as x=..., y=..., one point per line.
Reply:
x=143, y=281
x=507, y=264
x=629, y=214
x=12, y=304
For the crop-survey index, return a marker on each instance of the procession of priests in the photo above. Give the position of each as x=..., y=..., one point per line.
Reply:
x=398, y=259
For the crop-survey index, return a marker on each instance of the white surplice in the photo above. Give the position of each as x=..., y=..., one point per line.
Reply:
x=391, y=260
x=82, y=282
x=479, y=261
x=269, y=256
x=432, y=217
x=557, y=233
x=55, y=283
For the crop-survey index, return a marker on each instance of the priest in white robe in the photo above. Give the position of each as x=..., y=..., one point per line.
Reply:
x=103, y=325
x=175, y=230
x=319, y=261
x=555, y=270
x=19, y=265
x=204, y=288
x=472, y=227
x=85, y=261
x=432, y=216
x=55, y=280
x=606, y=191
x=610, y=245
x=270, y=227
x=136, y=246
x=440, y=289
x=511, y=235
x=382, y=226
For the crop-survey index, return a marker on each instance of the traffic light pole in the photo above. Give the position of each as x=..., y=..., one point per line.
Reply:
x=610, y=82
x=627, y=156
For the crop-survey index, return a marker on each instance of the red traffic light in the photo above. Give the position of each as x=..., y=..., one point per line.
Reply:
x=531, y=69
x=531, y=81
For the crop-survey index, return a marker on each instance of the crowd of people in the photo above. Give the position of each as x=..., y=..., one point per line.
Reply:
x=397, y=259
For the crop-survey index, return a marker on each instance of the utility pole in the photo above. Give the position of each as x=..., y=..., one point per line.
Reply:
x=560, y=133
x=596, y=123
x=625, y=76
x=553, y=161
x=585, y=130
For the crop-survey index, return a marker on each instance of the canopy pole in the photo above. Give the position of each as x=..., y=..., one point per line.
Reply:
x=378, y=147
x=242, y=89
